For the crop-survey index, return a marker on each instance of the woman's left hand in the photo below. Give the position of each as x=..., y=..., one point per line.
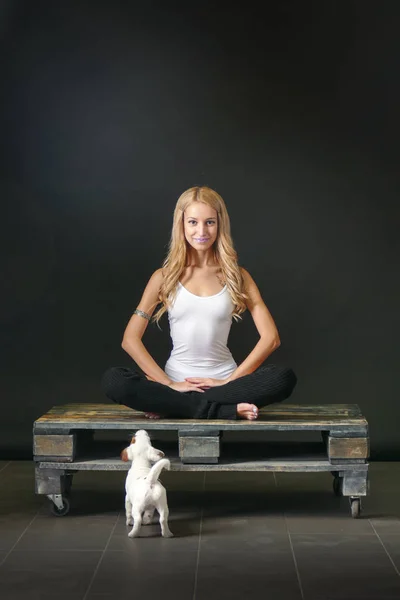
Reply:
x=206, y=382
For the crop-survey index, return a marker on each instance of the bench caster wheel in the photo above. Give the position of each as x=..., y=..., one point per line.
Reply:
x=338, y=485
x=59, y=505
x=68, y=484
x=355, y=507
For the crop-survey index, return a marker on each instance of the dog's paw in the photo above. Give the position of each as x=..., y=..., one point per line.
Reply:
x=168, y=534
x=129, y=522
x=133, y=534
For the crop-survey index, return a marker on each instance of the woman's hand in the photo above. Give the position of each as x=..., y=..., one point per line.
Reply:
x=185, y=386
x=206, y=383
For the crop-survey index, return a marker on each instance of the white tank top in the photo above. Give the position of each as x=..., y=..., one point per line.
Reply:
x=199, y=327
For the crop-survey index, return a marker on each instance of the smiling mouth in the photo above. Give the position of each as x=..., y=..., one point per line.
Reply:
x=201, y=240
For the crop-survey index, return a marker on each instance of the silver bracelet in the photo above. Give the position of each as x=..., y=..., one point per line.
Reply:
x=142, y=314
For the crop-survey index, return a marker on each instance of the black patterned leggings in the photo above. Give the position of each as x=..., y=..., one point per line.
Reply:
x=267, y=385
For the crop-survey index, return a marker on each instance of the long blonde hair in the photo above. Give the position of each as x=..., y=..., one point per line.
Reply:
x=224, y=252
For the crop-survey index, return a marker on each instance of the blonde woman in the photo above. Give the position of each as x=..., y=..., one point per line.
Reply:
x=201, y=287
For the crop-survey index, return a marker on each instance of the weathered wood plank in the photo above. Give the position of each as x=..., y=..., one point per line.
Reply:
x=50, y=480
x=199, y=449
x=303, y=465
x=358, y=426
x=198, y=433
x=348, y=448
x=355, y=483
x=57, y=446
x=74, y=411
x=281, y=418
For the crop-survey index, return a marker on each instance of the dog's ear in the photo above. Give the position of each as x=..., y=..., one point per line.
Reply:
x=155, y=455
x=125, y=452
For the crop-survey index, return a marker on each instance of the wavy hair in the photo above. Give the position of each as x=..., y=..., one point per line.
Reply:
x=224, y=252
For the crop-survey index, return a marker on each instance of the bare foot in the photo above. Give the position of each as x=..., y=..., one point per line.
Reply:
x=247, y=411
x=152, y=415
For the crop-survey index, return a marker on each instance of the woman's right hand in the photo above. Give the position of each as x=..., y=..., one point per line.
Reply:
x=185, y=386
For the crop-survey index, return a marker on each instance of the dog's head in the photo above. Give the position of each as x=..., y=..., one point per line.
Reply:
x=141, y=445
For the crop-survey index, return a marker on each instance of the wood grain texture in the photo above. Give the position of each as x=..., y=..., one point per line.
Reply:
x=301, y=465
x=280, y=417
x=199, y=447
x=57, y=446
x=49, y=480
x=355, y=484
x=349, y=448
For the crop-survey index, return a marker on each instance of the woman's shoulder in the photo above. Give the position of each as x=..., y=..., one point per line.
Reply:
x=157, y=277
x=244, y=273
x=155, y=282
x=248, y=280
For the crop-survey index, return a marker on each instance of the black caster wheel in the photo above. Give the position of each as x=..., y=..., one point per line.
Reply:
x=338, y=486
x=355, y=507
x=60, y=512
x=68, y=484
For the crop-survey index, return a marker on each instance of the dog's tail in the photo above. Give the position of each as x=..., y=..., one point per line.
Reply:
x=156, y=470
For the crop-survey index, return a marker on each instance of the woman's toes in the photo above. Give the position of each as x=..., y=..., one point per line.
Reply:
x=247, y=411
x=151, y=415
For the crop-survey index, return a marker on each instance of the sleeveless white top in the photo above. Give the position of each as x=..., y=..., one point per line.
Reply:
x=199, y=327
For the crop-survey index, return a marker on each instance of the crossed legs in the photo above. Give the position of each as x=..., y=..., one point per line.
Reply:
x=265, y=386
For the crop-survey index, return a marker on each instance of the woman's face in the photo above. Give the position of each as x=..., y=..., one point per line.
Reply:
x=200, y=223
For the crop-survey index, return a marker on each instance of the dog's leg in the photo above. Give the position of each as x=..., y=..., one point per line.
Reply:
x=128, y=511
x=148, y=516
x=164, y=514
x=137, y=523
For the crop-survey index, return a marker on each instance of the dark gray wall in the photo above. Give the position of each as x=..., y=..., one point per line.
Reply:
x=110, y=112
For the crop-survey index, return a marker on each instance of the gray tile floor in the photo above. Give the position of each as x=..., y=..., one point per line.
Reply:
x=283, y=536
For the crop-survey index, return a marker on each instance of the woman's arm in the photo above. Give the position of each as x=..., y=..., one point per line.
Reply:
x=132, y=340
x=268, y=342
x=269, y=336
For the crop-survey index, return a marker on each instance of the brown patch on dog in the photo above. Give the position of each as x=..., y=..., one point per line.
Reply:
x=124, y=453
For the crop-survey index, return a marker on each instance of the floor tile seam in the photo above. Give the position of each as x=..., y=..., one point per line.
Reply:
x=294, y=558
x=101, y=559
x=341, y=534
x=386, y=550
x=20, y=537
x=4, y=467
x=196, y=571
x=55, y=550
x=291, y=547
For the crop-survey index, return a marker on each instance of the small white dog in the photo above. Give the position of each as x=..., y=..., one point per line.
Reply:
x=144, y=493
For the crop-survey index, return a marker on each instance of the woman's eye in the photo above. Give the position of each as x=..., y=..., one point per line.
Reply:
x=191, y=222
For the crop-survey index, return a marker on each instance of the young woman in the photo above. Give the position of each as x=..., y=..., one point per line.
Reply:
x=201, y=287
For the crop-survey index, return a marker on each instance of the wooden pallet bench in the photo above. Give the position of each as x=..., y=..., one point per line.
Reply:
x=63, y=445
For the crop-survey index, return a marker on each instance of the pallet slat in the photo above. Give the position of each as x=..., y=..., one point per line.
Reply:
x=303, y=465
x=341, y=417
